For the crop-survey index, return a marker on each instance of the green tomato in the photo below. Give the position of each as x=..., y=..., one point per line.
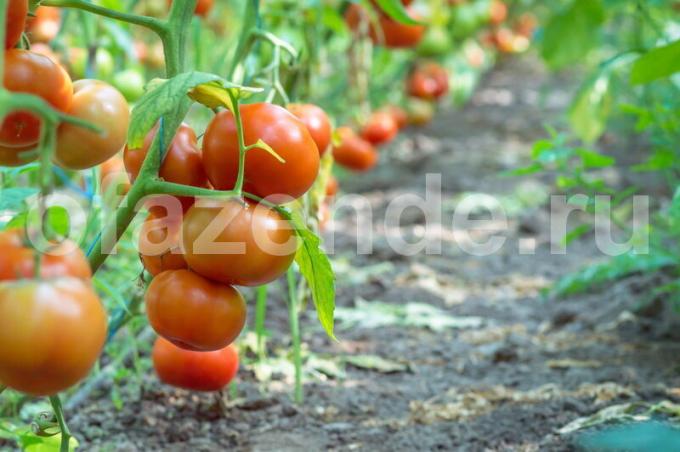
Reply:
x=103, y=64
x=131, y=83
x=435, y=42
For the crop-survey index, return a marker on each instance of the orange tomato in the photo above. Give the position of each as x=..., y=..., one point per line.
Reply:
x=354, y=152
x=317, y=122
x=17, y=10
x=160, y=244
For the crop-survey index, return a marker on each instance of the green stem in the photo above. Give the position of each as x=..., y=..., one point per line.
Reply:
x=174, y=36
x=238, y=188
x=151, y=23
x=59, y=413
x=250, y=18
x=295, y=333
x=260, y=316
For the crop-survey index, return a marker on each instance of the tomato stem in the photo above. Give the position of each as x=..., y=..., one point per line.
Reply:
x=293, y=320
x=151, y=23
x=242, y=148
x=59, y=413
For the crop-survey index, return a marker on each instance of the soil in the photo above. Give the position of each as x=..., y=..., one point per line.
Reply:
x=522, y=366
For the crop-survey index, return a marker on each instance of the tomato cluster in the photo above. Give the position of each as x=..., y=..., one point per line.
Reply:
x=52, y=323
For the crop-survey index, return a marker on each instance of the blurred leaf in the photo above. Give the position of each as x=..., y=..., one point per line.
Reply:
x=658, y=63
x=589, y=113
x=571, y=35
x=592, y=159
x=396, y=10
x=57, y=221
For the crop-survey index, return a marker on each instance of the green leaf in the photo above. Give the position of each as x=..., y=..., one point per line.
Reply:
x=658, y=63
x=316, y=268
x=589, y=113
x=592, y=159
x=13, y=199
x=570, y=36
x=57, y=221
x=396, y=10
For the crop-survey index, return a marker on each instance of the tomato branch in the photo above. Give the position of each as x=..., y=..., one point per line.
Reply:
x=151, y=23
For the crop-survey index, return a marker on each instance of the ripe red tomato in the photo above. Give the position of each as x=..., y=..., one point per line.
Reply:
x=17, y=10
x=203, y=7
x=45, y=26
x=380, y=128
x=160, y=244
x=399, y=114
x=265, y=175
x=17, y=156
x=498, y=12
x=183, y=163
x=29, y=72
x=51, y=333
x=238, y=243
x=389, y=32
x=18, y=259
x=112, y=174
x=102, y=105
x=193, y=312
x=354, y=152
x=196, y=371
x=428, y=81
x=332, y=187
x=317, y=122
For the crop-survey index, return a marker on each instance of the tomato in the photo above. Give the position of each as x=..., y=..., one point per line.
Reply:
x=112, y=174
x=380, y=128
x=18, y=260
x=428, y=81
x=196, y=371
x=390, y=33
x=103, y=64
x=244, y=244
x=436, y=42
x=160, y=244
x=265, y=175
x=51, y=334
x=354, y=152
x=45, y=26
x=131, y=83
x=102, y=105
x=498, y=12
x=46, y=50
x=17, y=156
x=324, y=215
x=420, y=111
x=399, y=114
x=505, y=40
x=317, y=122
x=183, y=162
x=31, y=73
x=332, y=187
x=203, y=7
x=17, y=10
x=526, y=25
x=193, y=312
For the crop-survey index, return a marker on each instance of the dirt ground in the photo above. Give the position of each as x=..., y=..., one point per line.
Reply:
x=499, y=367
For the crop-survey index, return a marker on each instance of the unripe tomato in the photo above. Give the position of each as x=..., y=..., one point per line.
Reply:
x=112, y=174
x=51, y=334
x=183, y=162
x=332, y=187
x=193, y=312
x=102, y=105
x=317, y=122
x=354, y=152
x=399, y=114
x=380, y=128
x=420, y=112
x=195, y=371
x=498, y=12
x=428, y=81
x=17, y=10
x=265, y=175
x=18, y=259
x=45, y=26
x=238, y=243
x=103, y=63
x=17, y=156
x=131, y=83
x=28, y=72
x=389, y=32
x=160, y=244
x=436, y=42
x=203, y=7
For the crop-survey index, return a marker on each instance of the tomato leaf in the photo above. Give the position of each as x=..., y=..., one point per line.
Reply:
x=656, y=64
x=396, y=10
x=216, y=94
x=590, y=111
x=316, y=268
x=265, y=147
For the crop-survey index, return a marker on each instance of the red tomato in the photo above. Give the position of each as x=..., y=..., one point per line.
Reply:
x=389, y=32
x=28, y=72
x=17, y=10
x=354, y=152
x=203, y=7
x=196, y=371
x=183, y=163
x=428, y=81
x=238, y=243
x=102, y=105
x=112, y=174
x=498, y=12
x=18, y=259
x=45, y=26
x=380, y=128
x=17, y=156
x=332, y=187
x=265, y=175
x=193, y=312
x=51, y=334
x=160, y=244
x=399, y=114
x=317, y=122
